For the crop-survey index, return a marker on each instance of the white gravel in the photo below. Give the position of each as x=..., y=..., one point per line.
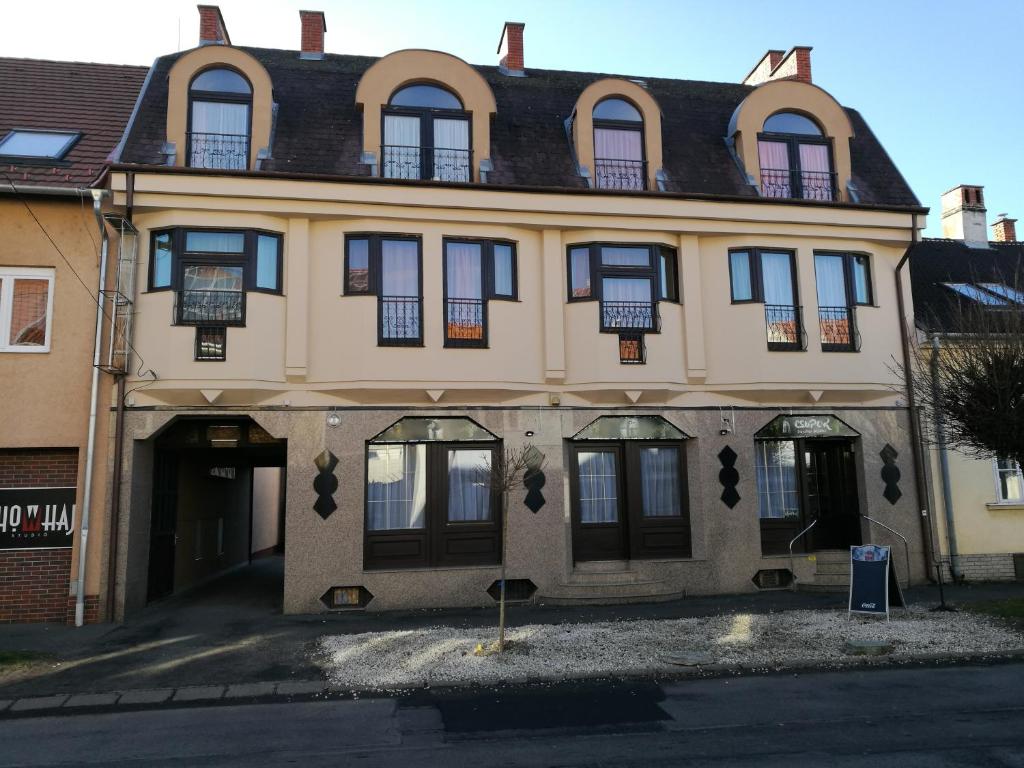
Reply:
x=444, y=655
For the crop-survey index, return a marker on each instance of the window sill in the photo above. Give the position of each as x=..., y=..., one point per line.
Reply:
x=26, y=351
x=1006, y=506
x=432, y=569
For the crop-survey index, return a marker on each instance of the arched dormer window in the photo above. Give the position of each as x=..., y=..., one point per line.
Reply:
x=219, y=120
x=796, y=158
x=619, y=145
x=426, y=135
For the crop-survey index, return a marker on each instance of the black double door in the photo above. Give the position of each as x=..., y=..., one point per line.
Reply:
x=163, y=531
x=829, y=489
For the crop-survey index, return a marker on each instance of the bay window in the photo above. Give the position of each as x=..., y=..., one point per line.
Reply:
x=26, y=309
x=766, y=276
x=474, y=272
x=795, y=159
x=843, y=282
x=389, y=267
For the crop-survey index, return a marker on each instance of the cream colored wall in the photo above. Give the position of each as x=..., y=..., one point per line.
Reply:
x=45, y=401
x=317, y=347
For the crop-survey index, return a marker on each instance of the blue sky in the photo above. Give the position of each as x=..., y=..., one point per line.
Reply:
x=941, y=82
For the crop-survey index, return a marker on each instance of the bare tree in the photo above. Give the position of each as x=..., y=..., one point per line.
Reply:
x=504, y=475
x=971, y=376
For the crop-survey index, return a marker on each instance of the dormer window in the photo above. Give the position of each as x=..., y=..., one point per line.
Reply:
x=220, y=106
x=426, y=135
x=796, y=159
x=619, y=145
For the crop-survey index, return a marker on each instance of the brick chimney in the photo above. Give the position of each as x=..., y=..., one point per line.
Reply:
x=963, y=214
x=313, y=27
x=510, y=49
x=212, y=30
x=1004, y=230
x=775, y=65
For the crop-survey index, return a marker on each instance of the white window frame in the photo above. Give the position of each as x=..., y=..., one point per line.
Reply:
x=996, y=471
x=7, y=277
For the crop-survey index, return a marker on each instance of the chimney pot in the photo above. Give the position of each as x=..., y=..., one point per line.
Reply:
x=212, y=29
x=963, y=214
x=510, y=49
x=1005, y=229
x=314, y=25
x=776, y=65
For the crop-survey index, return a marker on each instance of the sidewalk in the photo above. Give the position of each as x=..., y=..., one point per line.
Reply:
x=232, y=634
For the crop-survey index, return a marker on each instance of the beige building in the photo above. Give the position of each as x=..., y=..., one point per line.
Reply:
x=981, y=500
x=59, y=121
x=374, y=274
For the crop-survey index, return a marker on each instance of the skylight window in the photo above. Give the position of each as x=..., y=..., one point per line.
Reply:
x=1005, y=291
x=975, y=293
x=43, y=145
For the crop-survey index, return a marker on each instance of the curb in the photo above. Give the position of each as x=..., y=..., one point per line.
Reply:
x=70, y=704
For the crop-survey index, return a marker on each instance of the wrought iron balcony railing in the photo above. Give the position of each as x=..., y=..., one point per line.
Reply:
x=798, y=185
x=400, y=320
x=784, y=326
x=629, y=315
x=838, y=329
x=466, y=323
x=227, y=151
x=437, y=163
x=620, y=174
x=209, y=308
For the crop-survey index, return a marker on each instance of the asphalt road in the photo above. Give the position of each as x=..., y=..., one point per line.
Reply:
x=907, y=717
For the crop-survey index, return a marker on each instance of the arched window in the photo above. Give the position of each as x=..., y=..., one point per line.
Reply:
x=796, y=158
x=619, y=145
x=220, y=107
x=426, y=135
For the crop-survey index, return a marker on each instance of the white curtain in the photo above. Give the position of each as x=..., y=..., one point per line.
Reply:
x=215, y=242
x=776, y=479
x=742, y=285
x=635, y=289
x=659, y=482
x=400, y=268
x=618, y=144
x=814, y=170
x=402, y=147
x=396, y=487
x=221, y=118
x=776, y=270
x=451, y=149
x=464, y=271
x=579, y=262
x=830, y=277
x=598, y=487
x=774, y=156
x=469, y=490
x=503, y=270
x=220, y=135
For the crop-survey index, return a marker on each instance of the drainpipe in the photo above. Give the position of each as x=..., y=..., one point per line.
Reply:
x=920, y=484
x=947, y=493
x=90, y=450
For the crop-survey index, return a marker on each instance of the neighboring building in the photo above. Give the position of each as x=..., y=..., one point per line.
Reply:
x=986, y=496
x=372, y=274
x=59, y=121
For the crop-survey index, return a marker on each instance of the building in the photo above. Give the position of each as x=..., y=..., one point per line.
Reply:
x=59, y=122
x=982, y=527
x=373, y=274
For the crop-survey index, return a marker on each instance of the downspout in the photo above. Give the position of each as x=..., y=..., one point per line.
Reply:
x=947, y=493
x=920, y=484
x=90, y=449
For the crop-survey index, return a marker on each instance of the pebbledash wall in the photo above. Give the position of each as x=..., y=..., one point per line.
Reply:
x=325, y=553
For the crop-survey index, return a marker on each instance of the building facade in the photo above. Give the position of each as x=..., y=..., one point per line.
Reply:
x=373, y=275
x=979, y=501
x=59, y=121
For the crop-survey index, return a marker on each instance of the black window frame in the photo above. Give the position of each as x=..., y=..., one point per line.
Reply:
x=598, y=270
x=754, y=257
x=432, y=540
x=426, y=117
x=793, y=142
x=220, y=97
x=205, y=329
x=850, y=289
x=247, y=257
x=849, y=279
x=375, y=279
x=488, y=291
x=640, y=126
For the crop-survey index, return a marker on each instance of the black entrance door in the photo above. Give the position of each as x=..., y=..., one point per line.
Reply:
x=163, y=526
x=830, y=493
x=599, y=527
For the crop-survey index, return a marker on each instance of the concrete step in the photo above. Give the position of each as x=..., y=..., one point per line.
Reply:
x=832, y=568
x=832, y=556
x=605, y=577
x=808, y=587
x=610, y=593
x=601, y=566
x=600, y=599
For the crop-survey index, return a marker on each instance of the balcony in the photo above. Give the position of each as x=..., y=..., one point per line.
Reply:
x=400, y=321
x=784, y=327
x=209, y=308
x=436, y=163
x=620, y=174
x=225, y=151
x=466, y=323
x=798, y=185
x=630, y=316
x=838, y=329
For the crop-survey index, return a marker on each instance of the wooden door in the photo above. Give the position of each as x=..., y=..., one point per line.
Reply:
x=599, y=527
x=658, y=519
x=831, y=493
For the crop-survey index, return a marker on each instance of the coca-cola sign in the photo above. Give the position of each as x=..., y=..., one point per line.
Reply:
x=37, y=518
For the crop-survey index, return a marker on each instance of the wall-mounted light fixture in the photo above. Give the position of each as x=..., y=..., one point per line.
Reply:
x=529, y=433
x=333, y=419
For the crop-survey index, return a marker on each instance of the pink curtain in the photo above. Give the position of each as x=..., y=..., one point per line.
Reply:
x=815, y=172
x=774, y=157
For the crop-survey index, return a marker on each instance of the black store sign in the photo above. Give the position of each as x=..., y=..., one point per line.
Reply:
x=37, y=518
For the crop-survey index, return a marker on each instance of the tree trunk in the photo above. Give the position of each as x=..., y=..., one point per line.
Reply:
x=501, y=600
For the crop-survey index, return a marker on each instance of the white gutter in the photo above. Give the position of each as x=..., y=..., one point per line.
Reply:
x=90, y=450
